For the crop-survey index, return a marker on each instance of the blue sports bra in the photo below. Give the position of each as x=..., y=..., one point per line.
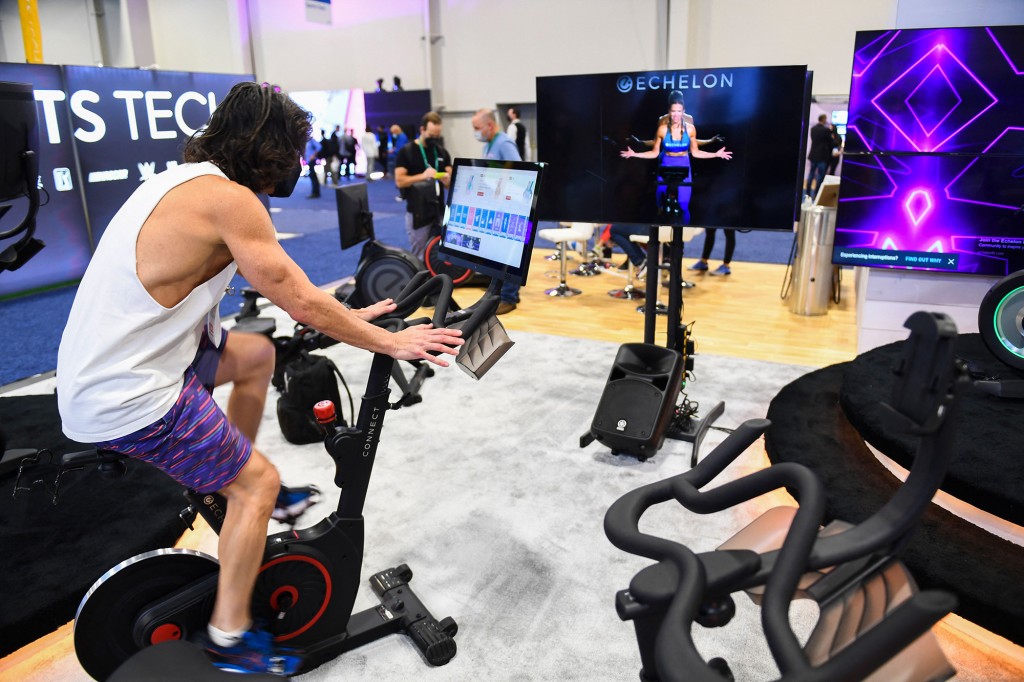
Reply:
x=675, y=146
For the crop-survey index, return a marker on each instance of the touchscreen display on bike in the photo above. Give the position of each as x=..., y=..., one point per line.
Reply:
x=490, y=222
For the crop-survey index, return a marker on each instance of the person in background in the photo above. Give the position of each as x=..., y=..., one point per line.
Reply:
x=382, y=150
x=425, y=161
x=517, y=131
x=498, y=146
x=709, y=243
x=347, y=154
x=819, y=155
x=143, y=346
x=330, y=154
x=370, y=145
x=312, y=154
x=619, y=235
x=837, y=150
x=398, y=140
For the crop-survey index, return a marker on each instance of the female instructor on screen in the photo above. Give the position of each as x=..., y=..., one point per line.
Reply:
x=674, y=142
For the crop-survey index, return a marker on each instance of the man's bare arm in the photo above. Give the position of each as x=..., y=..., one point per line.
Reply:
x=246, y=229
x=403, y=179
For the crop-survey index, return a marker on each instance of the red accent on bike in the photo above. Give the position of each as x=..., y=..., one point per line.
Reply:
x=275, y=599
x=327, y=589
x=165, y=633
x=324, y=411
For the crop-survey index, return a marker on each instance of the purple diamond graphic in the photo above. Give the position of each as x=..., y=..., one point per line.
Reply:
x=932, y=96
x=1006, y=143
x=918, y=205
x=1002, y=49
x=866, y=56
x=894, y=101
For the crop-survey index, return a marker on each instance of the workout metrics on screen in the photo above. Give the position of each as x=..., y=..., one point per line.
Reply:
x=489, y=213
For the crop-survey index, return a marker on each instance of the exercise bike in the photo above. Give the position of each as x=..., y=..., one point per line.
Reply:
x=307, y=584
x=873, y=623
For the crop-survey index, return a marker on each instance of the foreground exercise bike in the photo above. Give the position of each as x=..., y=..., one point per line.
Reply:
x=309, y=579
x=873, y=623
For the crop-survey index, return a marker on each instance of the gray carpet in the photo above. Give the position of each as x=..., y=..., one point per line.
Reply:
x=483, y=490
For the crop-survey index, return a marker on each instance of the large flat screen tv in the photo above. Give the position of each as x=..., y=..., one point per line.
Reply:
x=933, y=174
x=597, y=131
x=490, y=220
x=942, y=90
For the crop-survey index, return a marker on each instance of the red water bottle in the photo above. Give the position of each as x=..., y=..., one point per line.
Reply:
x=324, y=413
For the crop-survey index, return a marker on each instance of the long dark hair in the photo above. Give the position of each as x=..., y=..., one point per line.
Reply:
x=255, y=136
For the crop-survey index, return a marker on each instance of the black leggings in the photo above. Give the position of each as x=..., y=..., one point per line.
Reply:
x=709, y=243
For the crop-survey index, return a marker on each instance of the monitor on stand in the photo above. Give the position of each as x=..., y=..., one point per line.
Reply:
x=355, y=219
x=490, y=225
x=490, y=220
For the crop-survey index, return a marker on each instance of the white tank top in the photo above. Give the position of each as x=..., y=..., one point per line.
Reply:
x=123, y=356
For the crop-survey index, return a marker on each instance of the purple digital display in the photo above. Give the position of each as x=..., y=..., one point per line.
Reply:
x=949, y=90
x=935, y=212
x=933, y=170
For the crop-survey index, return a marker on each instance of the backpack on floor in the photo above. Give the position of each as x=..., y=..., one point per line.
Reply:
x=307, y=380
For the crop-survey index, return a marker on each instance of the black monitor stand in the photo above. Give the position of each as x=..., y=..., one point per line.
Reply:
x=678, y=333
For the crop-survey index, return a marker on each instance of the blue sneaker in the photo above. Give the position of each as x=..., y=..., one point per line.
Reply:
x=700, y=266
x=255, y=653
x=721, y=270
x=293, y=502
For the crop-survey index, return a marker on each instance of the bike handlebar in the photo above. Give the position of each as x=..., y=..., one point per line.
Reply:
x=675, y=651
x=422, y=285
x=407, y=301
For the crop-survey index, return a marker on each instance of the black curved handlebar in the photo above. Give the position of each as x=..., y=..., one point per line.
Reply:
x=676, y=654
x=421, y=286
x=410, y=299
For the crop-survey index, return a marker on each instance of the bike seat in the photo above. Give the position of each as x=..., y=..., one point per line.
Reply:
x=173, y=661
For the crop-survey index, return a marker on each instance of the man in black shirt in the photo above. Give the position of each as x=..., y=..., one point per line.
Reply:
x=422, y=172
x=347, y=154
x=820, y=154
x=329, y=151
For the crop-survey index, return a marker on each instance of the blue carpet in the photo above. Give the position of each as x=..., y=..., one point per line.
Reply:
x=32, y=325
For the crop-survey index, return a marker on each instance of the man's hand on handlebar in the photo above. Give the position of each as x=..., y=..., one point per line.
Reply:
x=372, y=312
x=422, y=341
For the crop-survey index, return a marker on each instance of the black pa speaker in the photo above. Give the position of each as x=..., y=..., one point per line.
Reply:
x=639, y=400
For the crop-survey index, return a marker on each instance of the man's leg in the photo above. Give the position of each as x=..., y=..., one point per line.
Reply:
x=817, y=176
x=314, y=181
x=248, y=362
x=251, y=497
x=730, y=245
x=620, y=236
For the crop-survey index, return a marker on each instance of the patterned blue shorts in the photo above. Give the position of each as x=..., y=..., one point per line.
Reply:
x=194, y=443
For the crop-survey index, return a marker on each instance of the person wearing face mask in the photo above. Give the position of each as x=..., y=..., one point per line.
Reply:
x=500, y=147
x=497, y=145
x=143, y=346
x=423, y=171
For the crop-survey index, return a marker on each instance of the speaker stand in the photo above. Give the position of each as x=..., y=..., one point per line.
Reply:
x=695, y=431
x=678, y=338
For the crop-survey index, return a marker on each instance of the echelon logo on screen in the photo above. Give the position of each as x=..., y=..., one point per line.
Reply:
x=674, y=80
